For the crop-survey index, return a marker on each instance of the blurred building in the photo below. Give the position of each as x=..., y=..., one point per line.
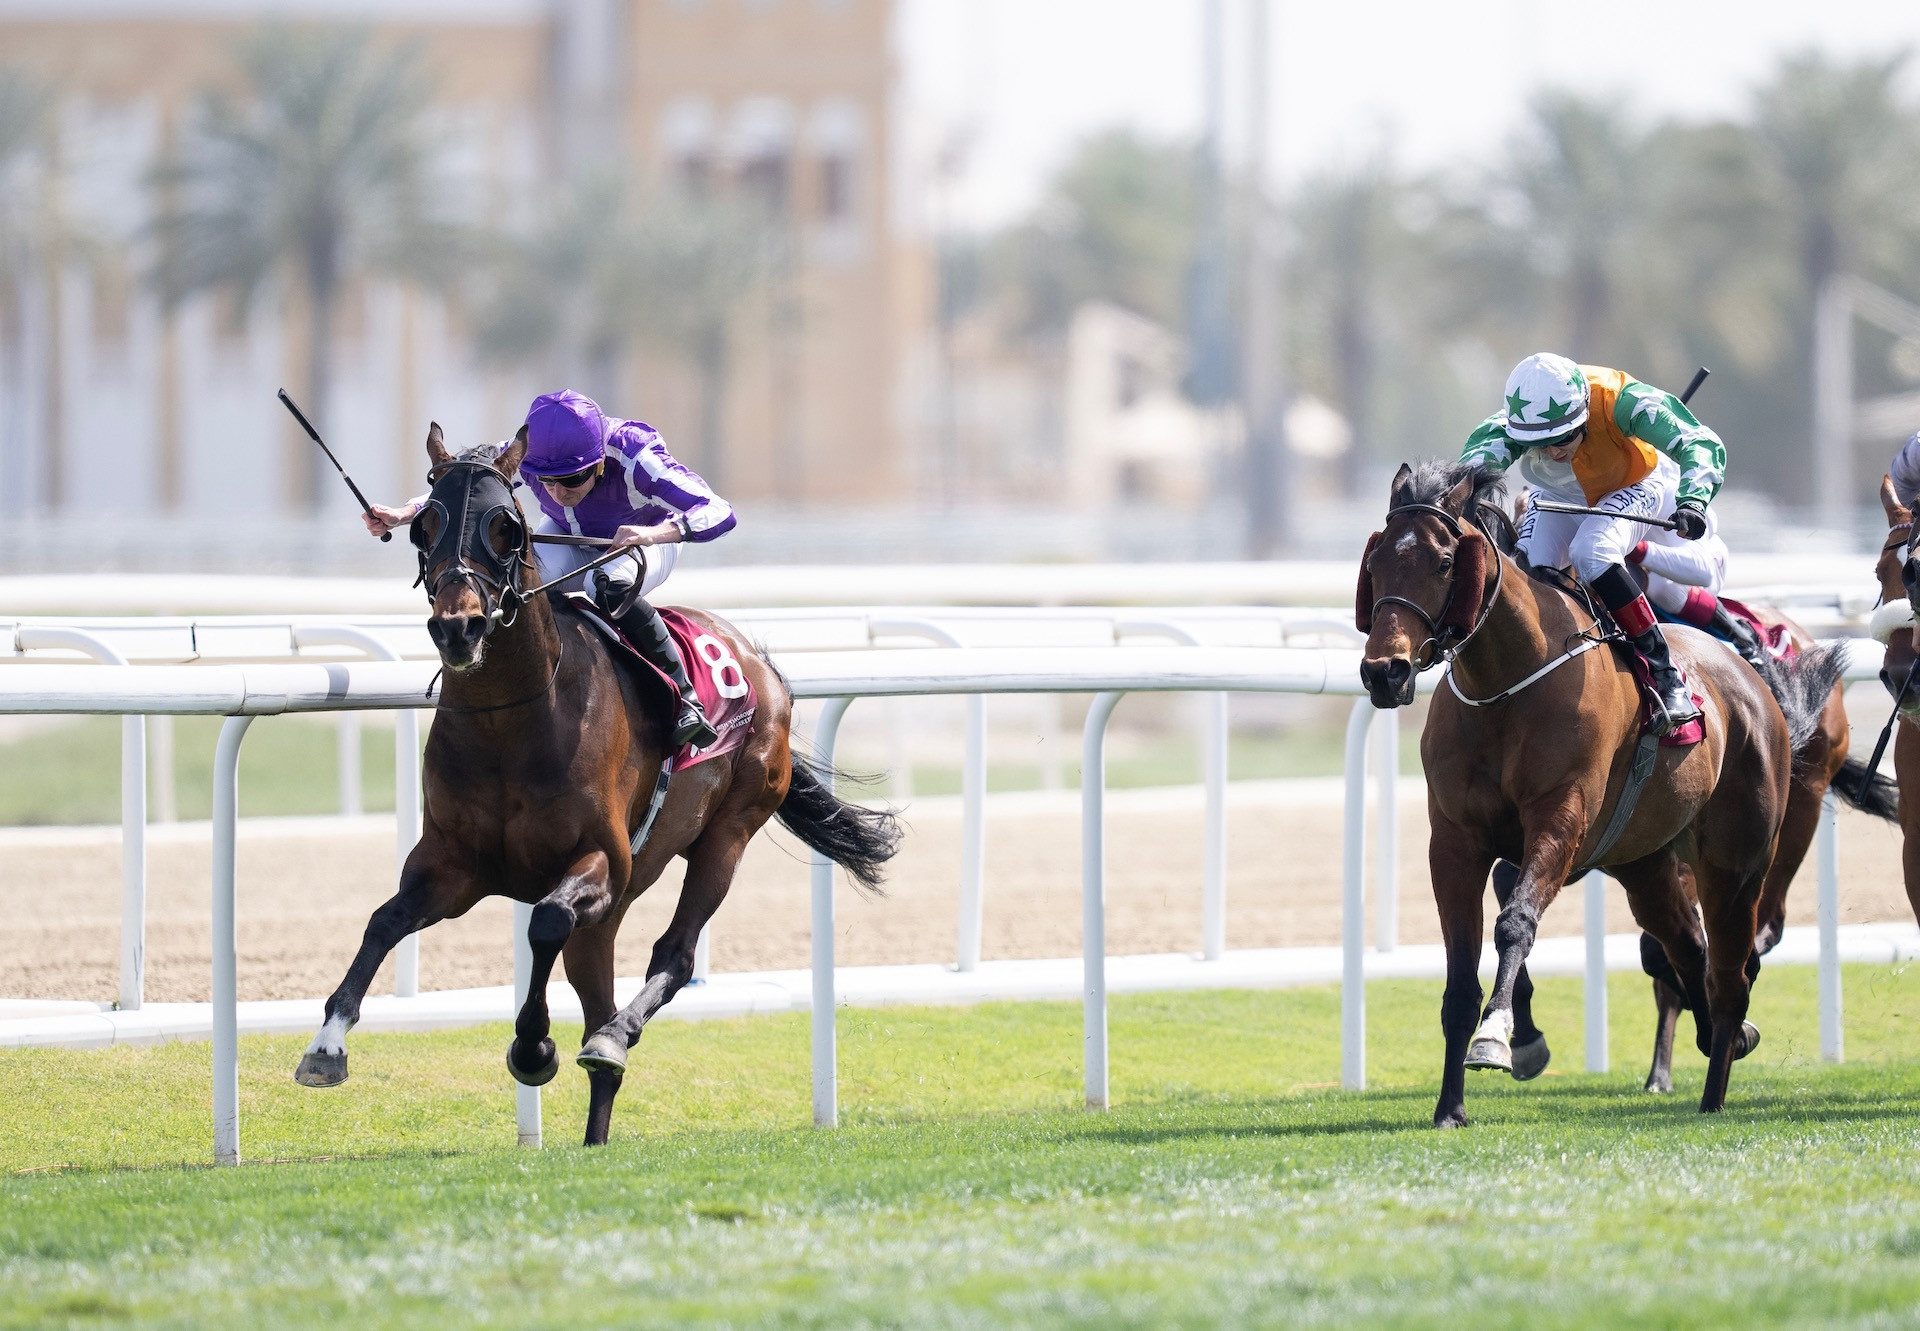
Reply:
x=110, y=407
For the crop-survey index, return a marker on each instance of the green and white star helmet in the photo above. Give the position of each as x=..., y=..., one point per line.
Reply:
x=1546, y=400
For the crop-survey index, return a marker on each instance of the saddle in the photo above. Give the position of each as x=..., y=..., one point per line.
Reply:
x=725, y=691
x=1680, y=737
x=1774, y=637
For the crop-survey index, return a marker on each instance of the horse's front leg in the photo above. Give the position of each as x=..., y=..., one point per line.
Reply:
x=1551, y=844
x=581, y=901
x=430, y=891
x=1530, y=1052
x=1458, y=859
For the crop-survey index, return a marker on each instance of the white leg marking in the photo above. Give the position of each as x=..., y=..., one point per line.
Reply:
x=332, y=1038
x=1497, y=1027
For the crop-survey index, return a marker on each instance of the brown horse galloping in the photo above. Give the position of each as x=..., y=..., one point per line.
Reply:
x=540, y=774
x=1822, y=765
x=1529, y=748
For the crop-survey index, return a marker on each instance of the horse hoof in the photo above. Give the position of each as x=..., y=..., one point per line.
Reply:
x=603, y=1053
x=1530, y=1059
x=321, y=1069
x=538, y=1076
x=1749, y=1039
x=1490, y=1055
x=1452, y=1118
x=1659, y=1086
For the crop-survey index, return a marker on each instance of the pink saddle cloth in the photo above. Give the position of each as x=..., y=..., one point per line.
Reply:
x=1779, y=642
x=724, y=689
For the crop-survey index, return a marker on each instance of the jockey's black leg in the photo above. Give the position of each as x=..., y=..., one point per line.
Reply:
x=1624, y=600
x=648, y=632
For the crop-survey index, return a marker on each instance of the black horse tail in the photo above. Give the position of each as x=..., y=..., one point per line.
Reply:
x=858, y=839
x=1878, y=796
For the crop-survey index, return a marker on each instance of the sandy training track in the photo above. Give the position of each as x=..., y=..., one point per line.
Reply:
x=306, y=887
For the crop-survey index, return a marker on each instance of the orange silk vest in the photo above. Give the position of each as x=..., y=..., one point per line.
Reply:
x=1608, y=459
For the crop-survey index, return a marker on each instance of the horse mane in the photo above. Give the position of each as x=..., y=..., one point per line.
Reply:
x=1434, y=480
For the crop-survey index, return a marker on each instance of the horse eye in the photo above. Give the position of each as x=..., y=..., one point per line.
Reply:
x=502, y=532
x=425, y=528
x=1446, y=562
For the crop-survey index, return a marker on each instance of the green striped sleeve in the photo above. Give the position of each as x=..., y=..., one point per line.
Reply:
x=1661, y=419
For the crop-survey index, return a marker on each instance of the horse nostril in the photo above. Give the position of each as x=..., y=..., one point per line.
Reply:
x=473, y=628
x=1399, y=671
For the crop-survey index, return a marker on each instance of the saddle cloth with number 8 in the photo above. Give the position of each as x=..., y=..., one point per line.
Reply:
x=725, y=691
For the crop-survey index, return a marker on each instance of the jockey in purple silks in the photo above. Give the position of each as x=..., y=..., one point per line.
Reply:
x=614, y=480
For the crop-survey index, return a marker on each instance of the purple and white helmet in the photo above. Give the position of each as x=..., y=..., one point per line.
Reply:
x=566, y=432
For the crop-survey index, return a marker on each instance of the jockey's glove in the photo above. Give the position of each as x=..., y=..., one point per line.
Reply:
x=1690, y=520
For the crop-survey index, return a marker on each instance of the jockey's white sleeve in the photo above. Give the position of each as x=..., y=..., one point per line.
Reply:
x=1701, y=563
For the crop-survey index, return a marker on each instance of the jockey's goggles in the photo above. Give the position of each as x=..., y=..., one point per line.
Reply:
x=572, y=479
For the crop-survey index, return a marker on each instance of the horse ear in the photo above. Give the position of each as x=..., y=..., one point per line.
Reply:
x=1890, y=501
x=516, y=453
x=1469, y=581
x=1396, y=492
x=1363, y=593
x=436, y=446
x=1460, y=496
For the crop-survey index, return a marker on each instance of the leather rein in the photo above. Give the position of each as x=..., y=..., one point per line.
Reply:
x=1442, y=642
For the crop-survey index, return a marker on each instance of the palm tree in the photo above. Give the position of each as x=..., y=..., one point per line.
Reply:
x=600, y=279
x=318, y=172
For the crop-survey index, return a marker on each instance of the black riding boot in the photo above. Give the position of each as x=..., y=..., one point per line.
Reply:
x=1630, y=610
x=1740, y=633
x=647, y=631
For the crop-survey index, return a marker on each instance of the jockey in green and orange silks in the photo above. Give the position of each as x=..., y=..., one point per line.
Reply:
x=1587, y=435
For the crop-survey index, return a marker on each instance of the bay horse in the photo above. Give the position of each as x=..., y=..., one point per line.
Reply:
x=540, y=777
x=1528, y=749
x=1824, y=764
x=1893, y=626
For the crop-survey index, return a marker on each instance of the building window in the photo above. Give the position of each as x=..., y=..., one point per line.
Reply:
x=686, y=143
x=761, y=141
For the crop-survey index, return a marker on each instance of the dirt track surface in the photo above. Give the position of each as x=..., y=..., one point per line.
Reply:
x=307, y=886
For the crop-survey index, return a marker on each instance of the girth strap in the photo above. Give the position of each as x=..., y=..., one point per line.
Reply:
x=1644, y=754
x=653, y=805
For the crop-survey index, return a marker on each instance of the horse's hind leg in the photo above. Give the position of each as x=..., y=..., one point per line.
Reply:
x=1668, y=1004
x=1673, y=952
x=581, y=901
x=1530, y=1052
x=711, y=863
x=429, y=892
x=1729, y=906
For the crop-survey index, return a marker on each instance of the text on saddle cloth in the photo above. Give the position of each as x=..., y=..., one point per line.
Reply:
x=726, y=694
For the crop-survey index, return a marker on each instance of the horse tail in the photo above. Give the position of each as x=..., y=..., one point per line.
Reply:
x=858, y=839
x=1879, y=796
x=1801, y=687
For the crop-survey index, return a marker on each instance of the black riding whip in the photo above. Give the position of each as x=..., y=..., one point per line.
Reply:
x=314, y=435
x=1699, y=377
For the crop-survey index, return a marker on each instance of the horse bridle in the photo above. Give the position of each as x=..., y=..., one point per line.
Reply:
x=494, y=578
x=1442, y=642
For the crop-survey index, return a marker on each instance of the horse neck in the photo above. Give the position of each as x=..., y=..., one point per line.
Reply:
x=520, y=661
x=1523, y=622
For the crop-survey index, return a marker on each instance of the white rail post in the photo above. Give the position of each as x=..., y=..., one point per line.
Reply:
x=1386, y=831
x=164, y=806
x=226, y=1010
x=702, y=954
x=1093, y=895
x=526, y=1099
x=1213, y=897
x=973, y=794
x=973, y=837
x=1353, y=905
x=133, y=812
x=826, y=1072
x=1595, y=983
x=406, y=776
x=1832, y=1030
x=347, y=760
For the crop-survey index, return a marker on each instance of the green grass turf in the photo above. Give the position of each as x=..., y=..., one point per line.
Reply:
x=1230, y=1185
